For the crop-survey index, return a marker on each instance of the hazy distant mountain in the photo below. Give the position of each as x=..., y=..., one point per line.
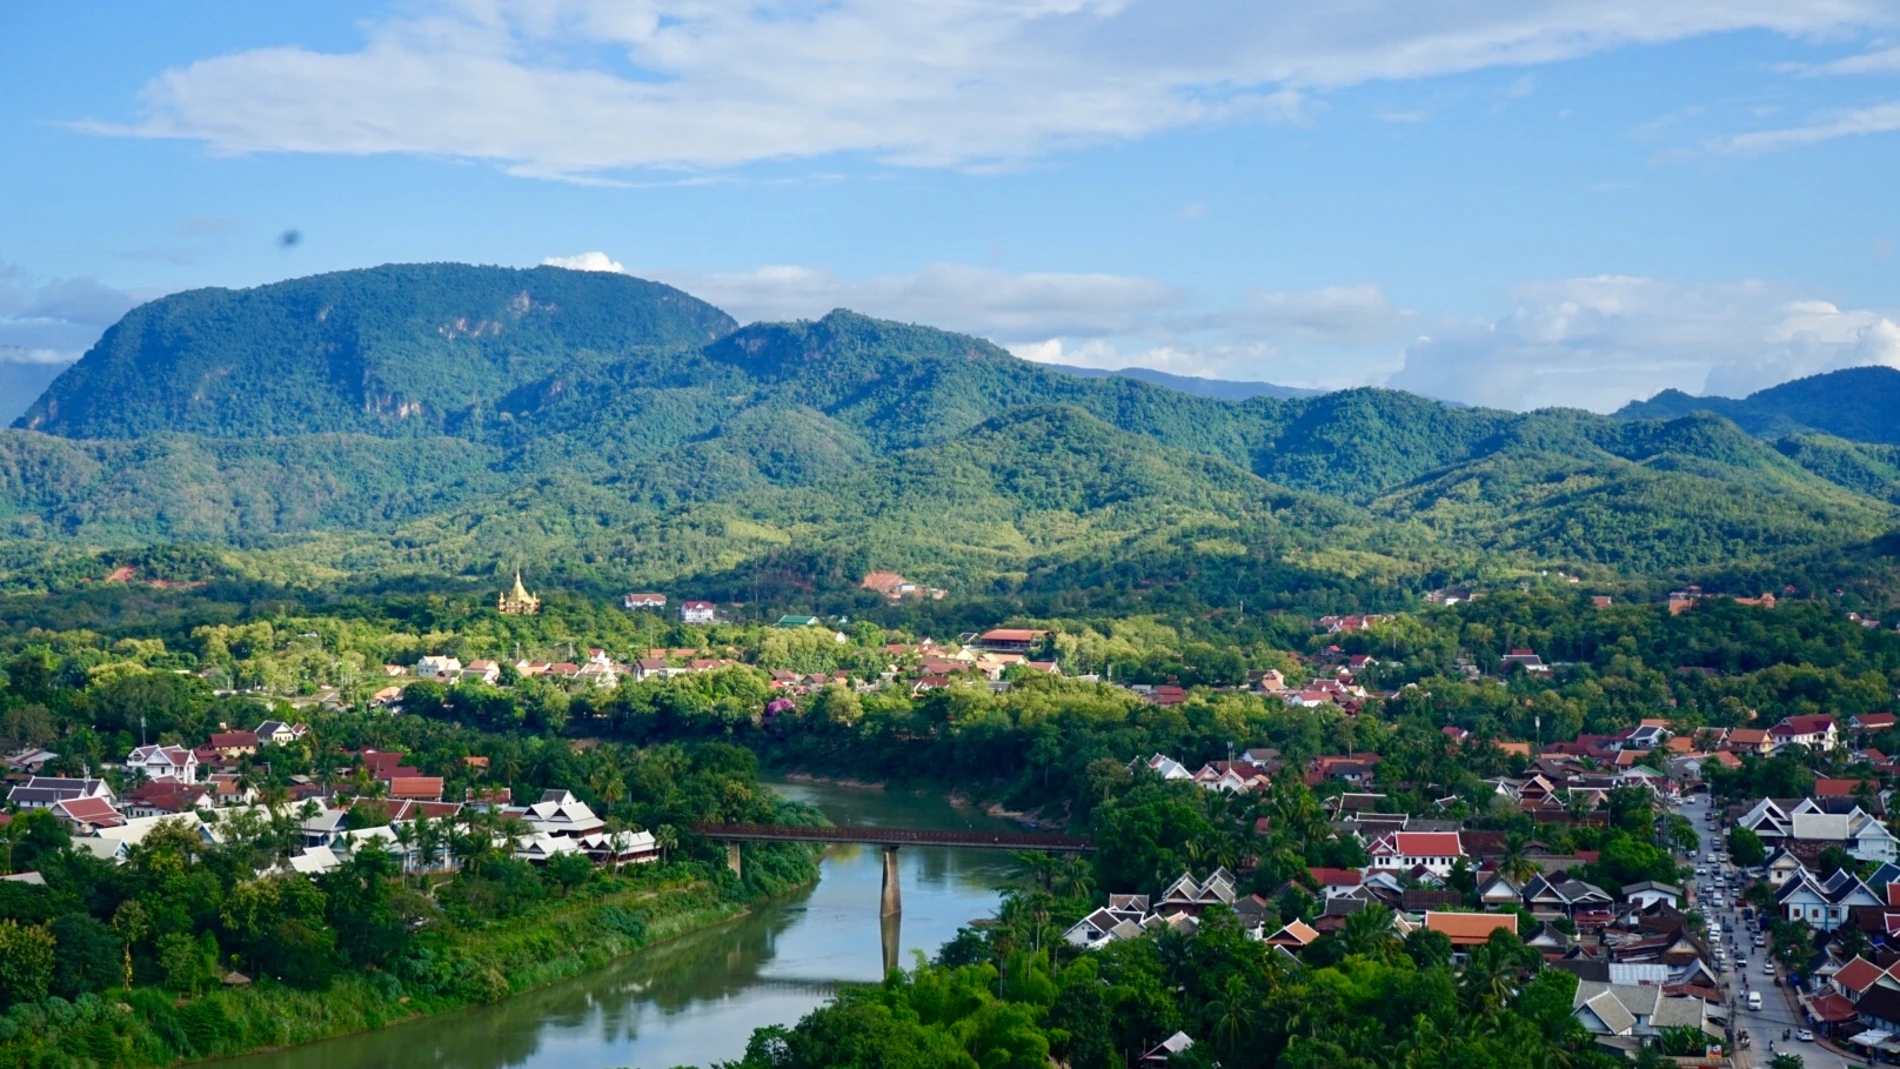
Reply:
x=1219, y=389
x=1861, y=404
x=21, y=383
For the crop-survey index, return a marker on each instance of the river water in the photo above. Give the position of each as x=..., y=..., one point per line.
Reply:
x=696, y=1000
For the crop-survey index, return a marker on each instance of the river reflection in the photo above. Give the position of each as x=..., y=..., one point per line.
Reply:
x=696, y=1000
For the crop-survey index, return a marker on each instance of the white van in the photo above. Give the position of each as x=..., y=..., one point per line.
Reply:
x=1754, y=1001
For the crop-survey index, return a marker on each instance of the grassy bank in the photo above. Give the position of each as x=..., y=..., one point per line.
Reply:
x=147, y=1028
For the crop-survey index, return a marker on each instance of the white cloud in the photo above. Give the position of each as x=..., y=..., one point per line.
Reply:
x=1884, y=61
x=1333, y=314
x=1876, y=119
x=573, y=88
x=1242, y=361
x=1600, y=342
x=1594, y=343
x=586, y=261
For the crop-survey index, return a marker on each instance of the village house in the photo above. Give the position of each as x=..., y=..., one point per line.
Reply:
x=1408, y=851
x=1525, y=659
x=29, y=760
x=1816, y=732
x=620, y=847
x=1649, y=892
x=1011, y=639
x=481, y=671
x=165, y=797
x=279, y=733
x=87, y=816
x=1121, y=919
x=896, y=588
x=1626, y=1017
x=445, y=668
x=234, y=744
x=114, y=842
x=698, y=613
x=633, y=602
x=1871, y=723
x=164, y=762
x=1859, y=833
x=45, y=792
x=1466, y=930
x=559, y=814
x=1823, y=904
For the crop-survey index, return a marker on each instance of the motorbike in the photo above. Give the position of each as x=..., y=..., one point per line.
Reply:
x=1786, y=1034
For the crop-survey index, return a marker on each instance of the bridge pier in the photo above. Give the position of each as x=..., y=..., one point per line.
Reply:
x=890, y=931
x=732, y=859
x=893, y=903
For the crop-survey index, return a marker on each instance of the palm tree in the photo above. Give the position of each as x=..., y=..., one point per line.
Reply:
x=1369, y=933
x=1075, y=877
x=406, y=838
x=1233, y=1015
x=1516, y=864
x=666, y=837
x=1035, y=868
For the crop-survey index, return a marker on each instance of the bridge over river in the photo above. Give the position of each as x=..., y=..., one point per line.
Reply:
x=890, y=839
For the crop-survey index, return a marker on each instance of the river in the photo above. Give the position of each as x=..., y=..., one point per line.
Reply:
x=696, y=1000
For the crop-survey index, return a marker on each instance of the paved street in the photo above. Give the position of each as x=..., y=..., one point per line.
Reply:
x=1777, y=1012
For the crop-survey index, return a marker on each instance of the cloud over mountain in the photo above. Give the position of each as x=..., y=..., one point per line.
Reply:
x=1598, y=342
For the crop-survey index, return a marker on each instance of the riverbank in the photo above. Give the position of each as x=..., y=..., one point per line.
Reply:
x=147, y=1028
x=696, y=999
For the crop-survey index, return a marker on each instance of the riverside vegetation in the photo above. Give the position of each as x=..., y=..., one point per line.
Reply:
x=130, y=965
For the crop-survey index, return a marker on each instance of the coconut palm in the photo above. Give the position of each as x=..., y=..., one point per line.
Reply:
x=1232, y=1013
x=1074, y=877
x=1369, y=933
x=1516, y=864
x=406, y=838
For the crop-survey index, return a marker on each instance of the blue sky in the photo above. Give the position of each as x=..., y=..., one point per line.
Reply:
x=1521, y=203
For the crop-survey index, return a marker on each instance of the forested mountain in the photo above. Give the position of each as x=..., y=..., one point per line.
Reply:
x=1220, y=389
x=398, y=350
x=1861, y=404
x=449, y=420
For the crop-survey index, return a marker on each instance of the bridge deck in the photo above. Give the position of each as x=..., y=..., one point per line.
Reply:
x=971, y=840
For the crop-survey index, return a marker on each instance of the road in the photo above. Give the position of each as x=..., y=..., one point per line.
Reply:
x=1777, y=1013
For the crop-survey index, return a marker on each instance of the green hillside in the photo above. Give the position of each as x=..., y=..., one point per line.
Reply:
x=1858, y=404
x=404, y=349
x=615, y=431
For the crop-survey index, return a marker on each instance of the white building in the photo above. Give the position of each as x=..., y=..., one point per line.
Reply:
x=439, y=667
x=559, y=813
x=156, y=762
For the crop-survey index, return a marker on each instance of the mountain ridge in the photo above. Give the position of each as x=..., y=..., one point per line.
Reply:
x=627, y=432
x=1857, y=404
x=1219, y=389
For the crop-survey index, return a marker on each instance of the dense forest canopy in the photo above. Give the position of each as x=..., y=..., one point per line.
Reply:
x=449, y=421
